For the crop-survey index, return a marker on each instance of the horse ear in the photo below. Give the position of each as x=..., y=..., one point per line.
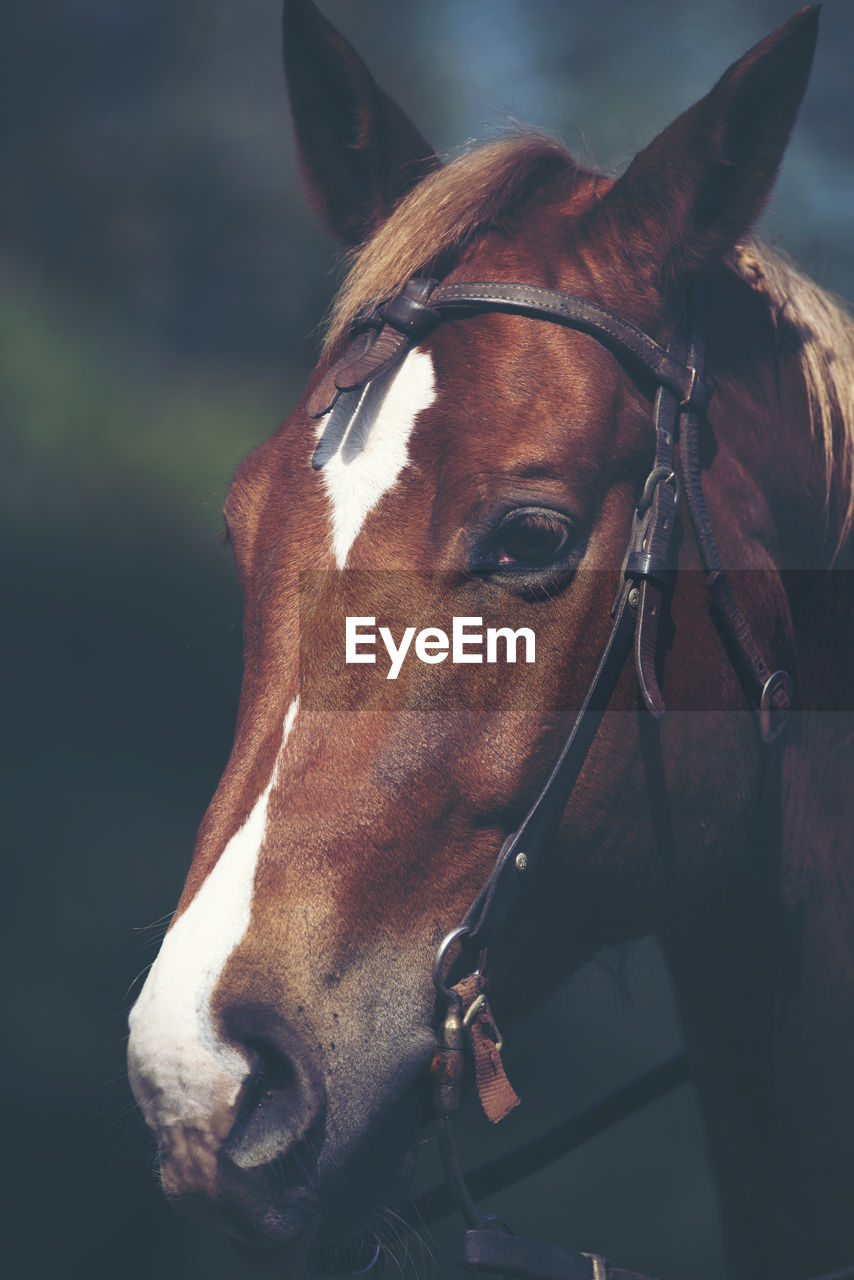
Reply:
x=688, y=197
x=358, y=152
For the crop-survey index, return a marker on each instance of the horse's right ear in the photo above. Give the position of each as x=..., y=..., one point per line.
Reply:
x=358, y=152
x=688, y=197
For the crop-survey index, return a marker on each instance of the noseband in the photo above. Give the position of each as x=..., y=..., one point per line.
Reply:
x=378, y=343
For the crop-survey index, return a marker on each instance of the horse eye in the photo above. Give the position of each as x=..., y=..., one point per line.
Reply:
x=531, y=538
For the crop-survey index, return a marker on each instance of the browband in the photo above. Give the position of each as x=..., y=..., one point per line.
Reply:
x=380, y=340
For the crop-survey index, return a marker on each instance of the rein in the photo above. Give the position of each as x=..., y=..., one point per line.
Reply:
x=378, y=343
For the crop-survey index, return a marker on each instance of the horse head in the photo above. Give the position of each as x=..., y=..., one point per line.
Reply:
x=280, y=1044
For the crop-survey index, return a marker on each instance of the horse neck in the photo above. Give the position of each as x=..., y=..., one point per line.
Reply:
x=765, y=980
x=764, y=974
x=814, y=1039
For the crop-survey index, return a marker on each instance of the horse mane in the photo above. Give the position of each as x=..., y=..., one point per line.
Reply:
x=820, y=330
x=484, y=187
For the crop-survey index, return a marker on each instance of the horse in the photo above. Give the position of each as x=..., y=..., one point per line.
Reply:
x=489, y=463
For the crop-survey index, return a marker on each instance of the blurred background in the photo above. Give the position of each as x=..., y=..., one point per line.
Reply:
x=161, y=286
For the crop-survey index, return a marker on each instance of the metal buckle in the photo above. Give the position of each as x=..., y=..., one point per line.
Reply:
x=688, y=398
x=497, y=1222
x=438, y=968
x=658, y=475
x=480, y=1002
x=773, y=719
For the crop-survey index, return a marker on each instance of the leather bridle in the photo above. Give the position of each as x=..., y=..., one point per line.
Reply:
x=378, y=343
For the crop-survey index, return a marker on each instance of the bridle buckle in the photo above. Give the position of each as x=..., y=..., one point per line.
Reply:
x=688, y=398
x=658, y=475
x=775, y=704
x=699, y=393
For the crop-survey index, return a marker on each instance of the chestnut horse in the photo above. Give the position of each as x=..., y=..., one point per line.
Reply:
x=280, y=1046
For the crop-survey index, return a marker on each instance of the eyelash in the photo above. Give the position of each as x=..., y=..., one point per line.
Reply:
x=521, y=521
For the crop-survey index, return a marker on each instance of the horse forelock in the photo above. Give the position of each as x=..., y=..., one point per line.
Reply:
x=479, y=189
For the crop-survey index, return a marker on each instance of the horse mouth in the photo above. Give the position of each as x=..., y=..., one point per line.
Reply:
x=355, y=1256
x=268, y=1226
x=281, y=1232
x=319, y=1252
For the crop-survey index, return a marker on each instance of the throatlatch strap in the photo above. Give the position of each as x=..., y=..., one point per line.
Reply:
x=772, y=692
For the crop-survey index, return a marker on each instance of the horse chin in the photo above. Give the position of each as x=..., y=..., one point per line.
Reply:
x=272, y=1234
x=287, y=1235
x=319, y=1257
x=347, y=1243
x=274, y=1260
x=313, y=1250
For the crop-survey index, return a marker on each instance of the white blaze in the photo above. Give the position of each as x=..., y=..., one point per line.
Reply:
x=180, y=1070
x=374, y=450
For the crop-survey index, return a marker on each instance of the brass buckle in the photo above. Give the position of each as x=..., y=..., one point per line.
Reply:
x=477, y=1005
x=688, y=398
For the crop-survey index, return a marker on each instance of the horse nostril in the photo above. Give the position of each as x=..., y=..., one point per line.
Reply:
x=274, y=1071
x=281, y=1101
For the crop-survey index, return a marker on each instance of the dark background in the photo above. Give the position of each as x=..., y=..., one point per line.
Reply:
x=161, y=281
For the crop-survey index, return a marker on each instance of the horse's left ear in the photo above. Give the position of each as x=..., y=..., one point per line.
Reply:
x=358, y=151
x=689, y=196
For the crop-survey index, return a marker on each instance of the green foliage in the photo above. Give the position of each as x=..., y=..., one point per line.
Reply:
x=99, y=433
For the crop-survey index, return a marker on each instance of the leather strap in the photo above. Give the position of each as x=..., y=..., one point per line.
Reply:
x=656, y=567
x=518, y=855
x=376, y=346
x=651, y=563
x=497, y=1095
x=382, y=338
x=614, y=332
x=771, y=692
x=521, y=1256
x=496, y=1253
x=325, y=395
